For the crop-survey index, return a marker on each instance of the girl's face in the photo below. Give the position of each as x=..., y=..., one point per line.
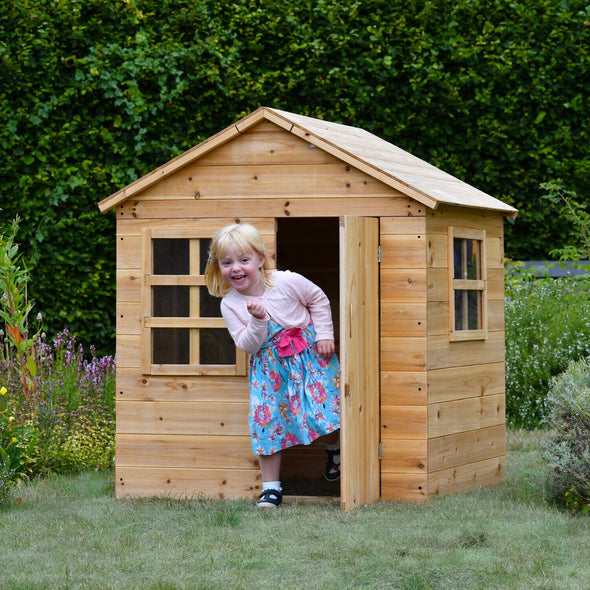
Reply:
x=242, y=271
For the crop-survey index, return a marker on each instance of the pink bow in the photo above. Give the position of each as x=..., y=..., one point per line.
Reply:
x=291, y=342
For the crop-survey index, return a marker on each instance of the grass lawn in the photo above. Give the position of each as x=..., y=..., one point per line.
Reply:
x=70, y=532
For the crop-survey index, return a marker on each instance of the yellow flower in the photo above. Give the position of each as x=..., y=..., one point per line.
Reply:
x=3, y=390
x=11, y=419
x=14, y=439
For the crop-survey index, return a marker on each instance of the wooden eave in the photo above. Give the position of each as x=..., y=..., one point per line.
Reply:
x=359, y=148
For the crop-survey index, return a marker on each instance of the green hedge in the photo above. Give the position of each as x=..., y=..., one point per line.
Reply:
x=99, y=92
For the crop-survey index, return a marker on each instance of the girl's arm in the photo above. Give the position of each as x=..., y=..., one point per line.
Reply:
x=248, y=334
x=326, y=347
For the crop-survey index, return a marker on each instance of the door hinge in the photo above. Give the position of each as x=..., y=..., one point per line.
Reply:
x=379, y=253
x=380, y=450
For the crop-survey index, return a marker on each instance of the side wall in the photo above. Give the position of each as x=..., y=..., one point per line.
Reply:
x=466, y=396
x=403, y=276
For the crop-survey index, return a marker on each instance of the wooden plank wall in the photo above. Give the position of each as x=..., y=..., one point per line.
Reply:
x=403, y=357
x=466, y=397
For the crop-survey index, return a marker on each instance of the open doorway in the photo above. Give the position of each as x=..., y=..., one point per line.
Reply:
x=310, y=246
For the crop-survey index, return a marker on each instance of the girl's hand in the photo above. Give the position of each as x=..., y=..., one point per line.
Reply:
x=256, y=309
x=326, y=347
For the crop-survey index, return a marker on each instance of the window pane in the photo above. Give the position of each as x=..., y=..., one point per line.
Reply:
x=466, y=255
x=468, y=310
x=209, y=305
x=171, y=257
x=217, y=347
x=170, y=346
x=170, y=302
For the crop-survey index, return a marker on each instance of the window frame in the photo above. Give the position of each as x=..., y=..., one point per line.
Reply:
x=479, y=285
x=193, y=322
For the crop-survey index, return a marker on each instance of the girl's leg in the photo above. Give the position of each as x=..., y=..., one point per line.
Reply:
x=332, y=472
x=271, y=496
x=332, y=439
x=270, y=466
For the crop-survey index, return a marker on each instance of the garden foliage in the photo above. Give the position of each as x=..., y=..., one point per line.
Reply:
x=69, y=423
x=56, y=403
x=547, y=327
x=100, y=92
x=567, y=447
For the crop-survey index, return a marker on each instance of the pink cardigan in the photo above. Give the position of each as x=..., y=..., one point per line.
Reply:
x=291, y=302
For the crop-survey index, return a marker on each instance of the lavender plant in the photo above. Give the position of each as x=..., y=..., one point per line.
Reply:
x=74, y=410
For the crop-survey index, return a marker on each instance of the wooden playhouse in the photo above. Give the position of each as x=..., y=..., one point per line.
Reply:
x=412, y=260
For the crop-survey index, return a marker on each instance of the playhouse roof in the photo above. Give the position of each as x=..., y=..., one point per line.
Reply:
x=384, y=161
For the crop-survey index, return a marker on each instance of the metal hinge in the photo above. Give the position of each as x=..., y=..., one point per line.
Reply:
x=380, y=450
x=379, y=253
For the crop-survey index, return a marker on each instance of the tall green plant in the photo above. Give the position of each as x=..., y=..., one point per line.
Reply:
x=15, y=309
x=574, y=212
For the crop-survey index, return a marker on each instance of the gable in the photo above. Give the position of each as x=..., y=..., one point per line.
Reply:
x=376, y=158
x=266, y=161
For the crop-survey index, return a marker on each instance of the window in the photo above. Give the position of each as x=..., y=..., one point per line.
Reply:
x=183, y=331
x=467, y=296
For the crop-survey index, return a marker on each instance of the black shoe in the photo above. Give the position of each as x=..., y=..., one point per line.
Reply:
x=332, y=472
x=270, y=499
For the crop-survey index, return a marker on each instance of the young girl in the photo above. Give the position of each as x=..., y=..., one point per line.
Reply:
x=284, y=322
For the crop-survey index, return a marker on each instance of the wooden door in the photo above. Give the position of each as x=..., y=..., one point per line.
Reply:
x=359, y=357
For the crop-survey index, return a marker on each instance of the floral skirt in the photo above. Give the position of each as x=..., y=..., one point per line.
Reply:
x=294, y=399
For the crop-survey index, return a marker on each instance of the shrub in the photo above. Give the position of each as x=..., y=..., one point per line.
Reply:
x=567, y=448
x=547, y=327
x=96, y=94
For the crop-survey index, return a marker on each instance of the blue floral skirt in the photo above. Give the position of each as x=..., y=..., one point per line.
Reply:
x=293, y=399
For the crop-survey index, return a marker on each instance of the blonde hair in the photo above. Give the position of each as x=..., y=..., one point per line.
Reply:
x=245, y=239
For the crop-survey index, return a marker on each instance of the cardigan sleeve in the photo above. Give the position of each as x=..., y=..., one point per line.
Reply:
x=248, y=333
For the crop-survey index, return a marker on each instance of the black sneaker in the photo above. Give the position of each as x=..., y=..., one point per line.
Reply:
x=332, y=472
x=270, y=499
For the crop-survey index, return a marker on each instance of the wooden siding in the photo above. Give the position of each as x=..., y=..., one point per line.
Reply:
x=466, y=395
x=403, y=358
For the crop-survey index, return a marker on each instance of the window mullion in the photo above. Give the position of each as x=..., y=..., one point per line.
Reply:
x=195, y=306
